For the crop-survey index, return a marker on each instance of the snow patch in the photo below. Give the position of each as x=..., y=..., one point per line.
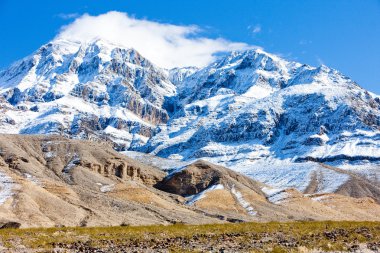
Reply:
x=196, y=197
x=280, y=174
x=243, y=202
x=32, y=179
x=258, y=92
x=6, y=186
x=275, y=196
x=50, y=154
x=323, y=137
x=165, y=164
x=322, y=198
x=107, y=188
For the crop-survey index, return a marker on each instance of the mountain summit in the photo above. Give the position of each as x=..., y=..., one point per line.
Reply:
x=274, y=120
x=94, y=90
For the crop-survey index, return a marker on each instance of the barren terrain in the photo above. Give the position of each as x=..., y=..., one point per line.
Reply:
x=245, y=237
x=50, y=181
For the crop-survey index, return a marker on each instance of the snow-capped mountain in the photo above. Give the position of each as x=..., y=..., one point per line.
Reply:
x=251, y=111
x=93, y=90
x=257, y=113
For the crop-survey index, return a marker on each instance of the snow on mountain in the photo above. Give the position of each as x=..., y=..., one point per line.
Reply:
x=93, y=90
x=177, y=75
x=252, y=110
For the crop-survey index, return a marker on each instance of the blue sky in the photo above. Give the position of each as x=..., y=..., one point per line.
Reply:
x=343, y=34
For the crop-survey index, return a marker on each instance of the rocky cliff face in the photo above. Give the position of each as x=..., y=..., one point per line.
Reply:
x=254, y=112
x=254, y=96
x=94, y=90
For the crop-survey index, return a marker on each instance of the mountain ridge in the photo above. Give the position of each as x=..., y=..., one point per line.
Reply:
x=250, y=111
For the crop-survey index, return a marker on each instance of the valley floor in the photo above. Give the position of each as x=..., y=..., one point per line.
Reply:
x=244, y=237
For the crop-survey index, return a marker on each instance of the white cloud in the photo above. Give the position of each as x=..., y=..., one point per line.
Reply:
x=256, y=29
x=164, y=44
x=68, y=15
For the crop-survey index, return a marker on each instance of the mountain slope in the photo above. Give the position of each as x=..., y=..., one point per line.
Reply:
x=277, y=121
x=93, y=90
x=254, y=112
x=50, y=181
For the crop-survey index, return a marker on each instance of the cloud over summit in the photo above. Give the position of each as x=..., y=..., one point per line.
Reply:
x=166, y=45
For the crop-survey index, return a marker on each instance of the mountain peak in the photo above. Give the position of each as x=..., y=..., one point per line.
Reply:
x=246, y=109
x=249, y=55
x=69, y=85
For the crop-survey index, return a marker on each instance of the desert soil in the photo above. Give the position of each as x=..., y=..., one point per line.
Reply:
x=244, y=237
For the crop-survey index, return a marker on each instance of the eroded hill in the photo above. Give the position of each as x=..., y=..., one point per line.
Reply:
x=50, y=181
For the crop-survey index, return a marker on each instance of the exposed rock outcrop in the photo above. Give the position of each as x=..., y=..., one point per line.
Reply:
x=201, y=175
x=98, y=90
x=9, y=224
x=52, y=181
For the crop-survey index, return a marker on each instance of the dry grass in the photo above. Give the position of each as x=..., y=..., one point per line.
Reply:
x=273, y=236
